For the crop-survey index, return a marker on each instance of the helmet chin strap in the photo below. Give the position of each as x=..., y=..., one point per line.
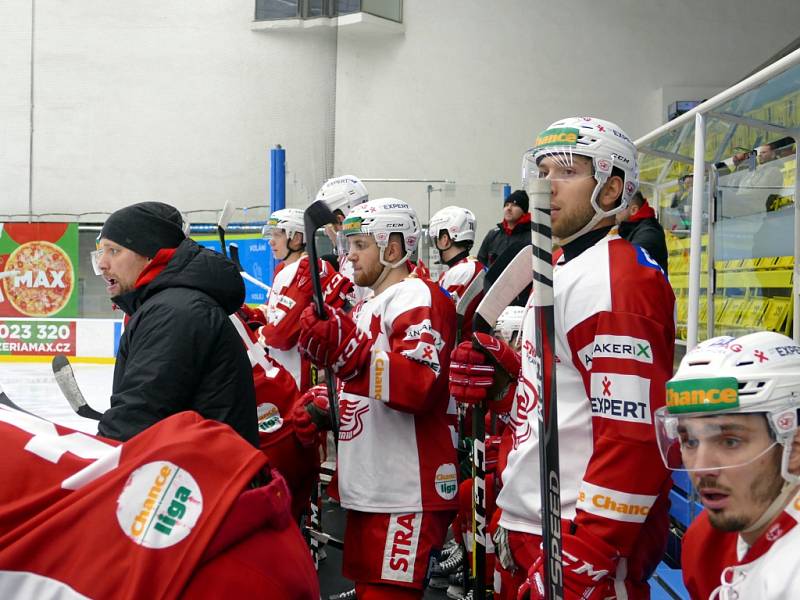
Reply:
x=290, y=250
x=599, y=214
x=788, y=489
x=387, y=267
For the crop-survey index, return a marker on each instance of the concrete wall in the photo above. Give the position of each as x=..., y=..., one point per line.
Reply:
x=178, y=101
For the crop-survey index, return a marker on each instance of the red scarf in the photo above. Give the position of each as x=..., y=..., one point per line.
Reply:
x=526, y=218
x=154, y=267
x=645, y=212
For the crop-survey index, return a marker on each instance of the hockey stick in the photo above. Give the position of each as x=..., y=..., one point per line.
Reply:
x=222, y=225
x=544, y=325
x=318, y=215
x=474, y=289
x=65, y=379
x=508, y=277
x=234, y=251
x=6, y=401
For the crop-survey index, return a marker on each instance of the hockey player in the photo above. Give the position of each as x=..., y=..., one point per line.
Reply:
x=289, y=451
x=291, y=292
x=731, y=422
x=396, y=461
x=170, y=513
x=452, y=230
x=341, y=195
x=614, y=333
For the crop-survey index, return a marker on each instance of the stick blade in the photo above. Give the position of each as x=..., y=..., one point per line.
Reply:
x=472, y=291
x=506, y=286
x=226, y=215
x=317, y=215
x=65, y=378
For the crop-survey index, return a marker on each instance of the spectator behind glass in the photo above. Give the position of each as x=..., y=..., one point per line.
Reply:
x=638, y=225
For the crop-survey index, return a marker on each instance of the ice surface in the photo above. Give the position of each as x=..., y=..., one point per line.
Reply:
x=32, y=386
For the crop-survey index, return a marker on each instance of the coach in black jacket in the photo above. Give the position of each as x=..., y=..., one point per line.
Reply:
x=515, y=228
x=179, y=350
x=638, y=225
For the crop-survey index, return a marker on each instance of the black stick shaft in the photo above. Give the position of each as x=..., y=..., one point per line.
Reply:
x=543, y=299
x=316, y=216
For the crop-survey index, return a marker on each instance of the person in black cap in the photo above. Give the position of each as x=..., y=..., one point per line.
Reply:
x=179, y=350
x=513, y=229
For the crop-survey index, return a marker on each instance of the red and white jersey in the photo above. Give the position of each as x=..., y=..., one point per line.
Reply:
x=287, y=300
x=614, y=339
x=144, y=511
x=722, y=565
x=395, y=451
x=457, y=279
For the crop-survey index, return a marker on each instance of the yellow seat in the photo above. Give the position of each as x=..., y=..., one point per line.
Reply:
x=753, y=313
x=776, y=313
x=729, y=316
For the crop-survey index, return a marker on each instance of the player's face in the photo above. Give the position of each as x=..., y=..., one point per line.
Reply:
x=572, y=186
x=734, y=497
x=364, y=253
x=120, y=267
x=278, y=243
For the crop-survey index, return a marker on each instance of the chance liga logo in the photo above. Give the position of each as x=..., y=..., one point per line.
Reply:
x=159, y=505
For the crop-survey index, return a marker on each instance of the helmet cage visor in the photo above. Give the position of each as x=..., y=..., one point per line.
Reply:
x=695, y=431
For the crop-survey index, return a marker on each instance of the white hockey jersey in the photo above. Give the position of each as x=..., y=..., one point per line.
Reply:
x=614, y=337
x=286, y=302
x=395, y=451
x=720, y=565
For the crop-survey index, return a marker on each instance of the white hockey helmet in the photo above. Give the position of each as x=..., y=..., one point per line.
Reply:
x=290, y=220
x=602, y=141
x=343, y=193
x=755, y=373
x=382, y=217
x=458, y=222
x=509, y=324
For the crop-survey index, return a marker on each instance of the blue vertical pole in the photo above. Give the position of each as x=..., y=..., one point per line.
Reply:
x=277, y=179
x=506, y=191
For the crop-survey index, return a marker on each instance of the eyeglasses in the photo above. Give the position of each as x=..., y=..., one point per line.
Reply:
x=98, y=254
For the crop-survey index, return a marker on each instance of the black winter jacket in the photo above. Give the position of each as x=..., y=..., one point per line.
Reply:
x=649, y=234
x=498, y=241
x=180, y=351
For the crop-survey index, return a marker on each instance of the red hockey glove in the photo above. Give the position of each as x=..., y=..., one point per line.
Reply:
x=471, y=375
x=333, y=343
x=335, y=287
x=254, y=317
x=311, y=415
x=421, y=270
x=491, y=372
x=589, y=565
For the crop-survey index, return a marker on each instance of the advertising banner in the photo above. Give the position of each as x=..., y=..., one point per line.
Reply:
x=37, y=338
x=39, y=267
x=255, y=256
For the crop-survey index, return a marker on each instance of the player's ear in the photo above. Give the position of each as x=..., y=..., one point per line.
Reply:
x=394, y=250
x=610, y=193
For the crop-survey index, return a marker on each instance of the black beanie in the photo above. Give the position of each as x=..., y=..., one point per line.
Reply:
x=145, y=228
x=520, y=198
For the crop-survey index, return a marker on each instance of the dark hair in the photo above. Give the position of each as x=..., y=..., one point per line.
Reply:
x=638, y=199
